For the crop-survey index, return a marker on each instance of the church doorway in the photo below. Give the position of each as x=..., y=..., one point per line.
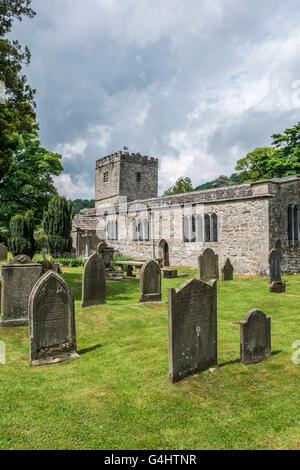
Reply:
x=163, y=252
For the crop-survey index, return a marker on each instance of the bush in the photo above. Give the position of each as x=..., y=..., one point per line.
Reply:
x=22, y=240
x=57, y=225
x=74, y=262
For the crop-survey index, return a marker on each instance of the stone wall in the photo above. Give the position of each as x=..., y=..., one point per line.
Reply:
x=284, y=194
x=123, y=174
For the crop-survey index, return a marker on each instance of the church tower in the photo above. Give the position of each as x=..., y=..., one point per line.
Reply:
x=123, y=174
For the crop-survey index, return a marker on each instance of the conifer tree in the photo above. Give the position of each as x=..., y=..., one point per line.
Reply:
x=22, y=235
x=57, y=225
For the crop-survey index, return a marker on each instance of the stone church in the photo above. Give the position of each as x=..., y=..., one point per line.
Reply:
x=242, y=222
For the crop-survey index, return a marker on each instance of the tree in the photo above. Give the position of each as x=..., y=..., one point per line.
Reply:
x=57, y=225
x=282, y=159
x=17, y=113
x=22, y=239
x=258, y=164
x=182, y=185
x=29, y=184
x=79, y=204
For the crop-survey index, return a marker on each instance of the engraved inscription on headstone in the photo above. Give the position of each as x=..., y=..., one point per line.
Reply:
x=227, y=271
x=208, y=263
x=51, y=321
x=276, y=284
x=17, y=283
x=93, y=282
x=150, y=282
x=255, y=337
x=192, y=328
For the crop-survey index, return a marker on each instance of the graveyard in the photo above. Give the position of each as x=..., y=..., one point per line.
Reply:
x=117, y=394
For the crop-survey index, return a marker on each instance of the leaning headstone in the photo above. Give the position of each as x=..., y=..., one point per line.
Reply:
x=208, y=265
x=192, y=328
x=255, y=337
x=227, y=271
x=150, y=282
x=18, y=278
x=93, y=282
x=3, y=252
x=52, y=336
x=276, y=284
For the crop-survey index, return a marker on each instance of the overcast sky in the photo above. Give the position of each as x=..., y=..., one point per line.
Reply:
x=196, y=83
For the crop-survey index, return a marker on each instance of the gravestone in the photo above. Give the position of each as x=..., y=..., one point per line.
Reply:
x=227, y=271
x=52, y=336
x=208, y=265
x=255, y=337
x=192, y=312
x=18, y=278
x=107, y=254
x=93, y=282
x=276, y=284
x=150, y=282
x=3, y=252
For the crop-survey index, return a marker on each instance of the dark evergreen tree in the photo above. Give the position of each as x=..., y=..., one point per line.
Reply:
x=57, y=225
x=22, y=240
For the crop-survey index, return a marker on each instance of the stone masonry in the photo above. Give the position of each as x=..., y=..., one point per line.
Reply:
x=242, y=222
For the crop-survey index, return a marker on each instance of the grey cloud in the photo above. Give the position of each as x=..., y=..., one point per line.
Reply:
x=197, y=84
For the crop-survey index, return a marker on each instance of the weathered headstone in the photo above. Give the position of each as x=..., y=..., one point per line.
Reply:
x=93, y=282
x=107, y=254
x=255, y=337
x=3, y=252
x=192, y=328
x=150, y=282
x=208, y=265
x=276, y=284
x=18, y=278
x=52, y=334
x=227, y=271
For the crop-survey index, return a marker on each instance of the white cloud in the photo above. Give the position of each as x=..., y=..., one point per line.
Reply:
x=196, y=84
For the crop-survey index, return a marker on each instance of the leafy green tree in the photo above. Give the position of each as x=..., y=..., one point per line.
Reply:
x=22, y=240
x=29, y=184
x=79, y=204
x=258, y=164
x=57, y=225
x=182, y=185
x=17, y=113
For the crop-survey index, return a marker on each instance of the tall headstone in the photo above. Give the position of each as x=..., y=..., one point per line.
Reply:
x=18, y=278
x=276, y=284
x=150, y=282
x=255, y=337
x=52, y=335
x=227, y=271
x=192, y=328
x=93, y=285
x=3, y=252
x=208, y=265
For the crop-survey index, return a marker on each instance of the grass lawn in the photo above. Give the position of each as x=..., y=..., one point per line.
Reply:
x=118, y=395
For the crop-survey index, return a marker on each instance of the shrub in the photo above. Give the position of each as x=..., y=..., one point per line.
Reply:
x=57, y=225
x=22, y=240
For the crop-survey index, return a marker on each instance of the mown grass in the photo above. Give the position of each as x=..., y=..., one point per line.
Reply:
x=118, y=396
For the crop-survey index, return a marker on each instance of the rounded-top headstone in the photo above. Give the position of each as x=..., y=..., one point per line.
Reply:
x=255, y=337
x=150, y=282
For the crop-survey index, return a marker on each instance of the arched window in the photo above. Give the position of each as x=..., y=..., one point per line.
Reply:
x=140, y=230
x=108, y=230
x=186, y=235
x=134, y=230
x=207, y=227
x=290, y=222
x=199, y=228
x=214, y=219
x=193, y=229
x=296, y=223
x=115, y=230
x=146, y=230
